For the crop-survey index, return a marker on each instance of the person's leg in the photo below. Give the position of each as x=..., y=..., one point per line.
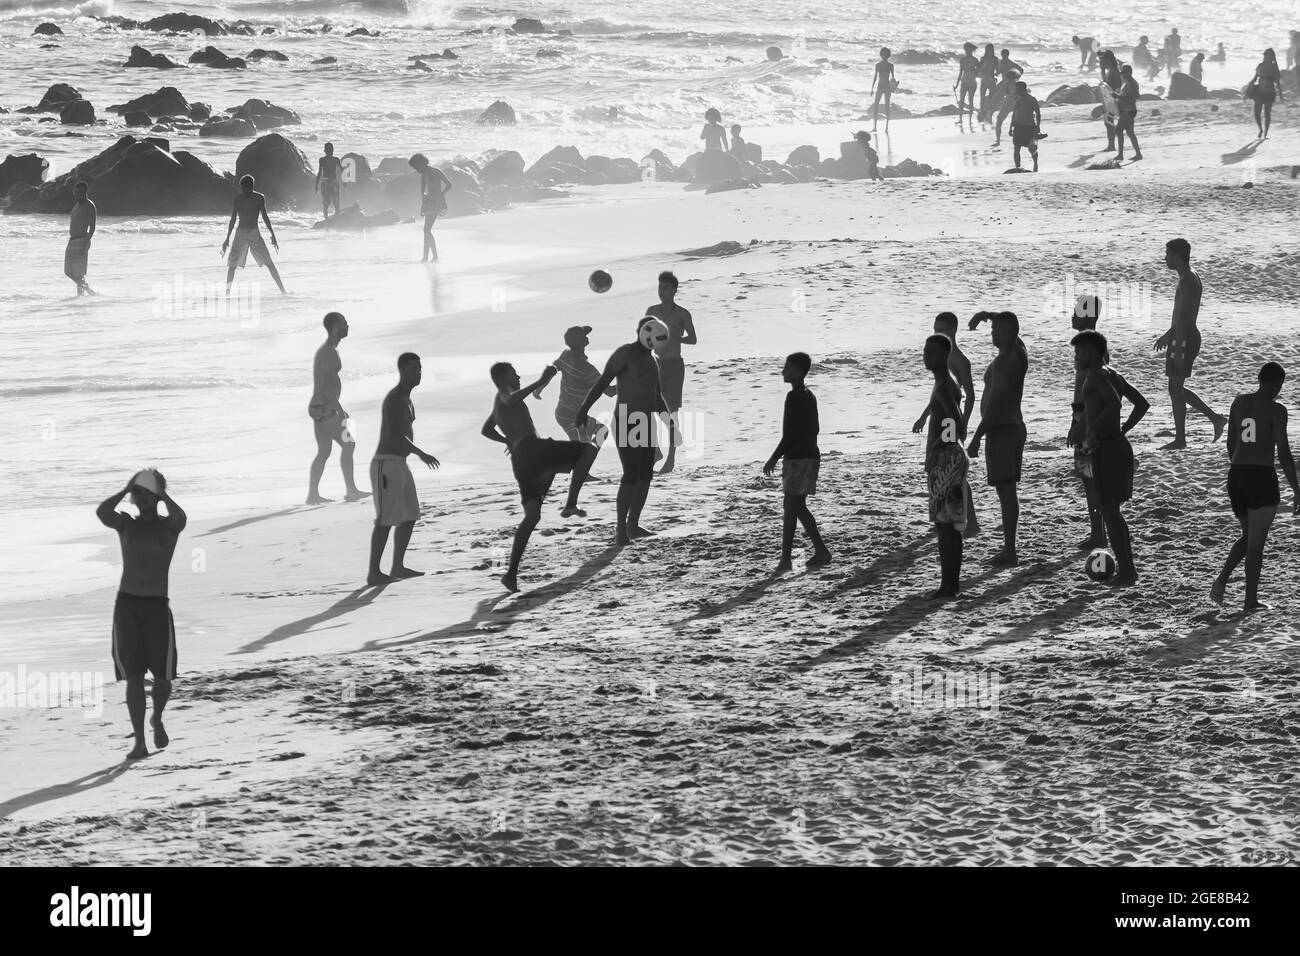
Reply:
x=1033, y=154
x=162, y=690
x=347, y=455
x=1179, y=403
x=135, y=708
x=1010, y=503
x=378, y=541
x=1097, y=527
x=532, y=515
x=1235, y=555
x=1132, y=135
x=1258, y=522
x=790, y=506
x=1218, y=421
x=323, y=446
x=580, y=471
x=401, y=538
x=875, y=109
x=1259, y=122
x=1015, y=154
x=627, y=483
x=889, y=98
x=670, y=461
x=1268, y=117
x=275, y=274
x=430, y=246
x=821, y=554
x=1121, y=544
x=230, y=278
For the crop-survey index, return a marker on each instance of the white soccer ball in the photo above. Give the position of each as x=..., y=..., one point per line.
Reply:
x=653, y=334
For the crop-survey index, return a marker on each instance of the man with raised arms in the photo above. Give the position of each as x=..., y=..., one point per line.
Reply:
x=1002, y=424
x=535, y=461
x=946, y=465
x=81, y=229
x=1182, y=343
x=945, y=323
x=249, y=205
x=328, y=171
x=144, y=634
x=328, y=416
x=638, y=400
x=1256, y=431
x=672, y=367
x=393, y=485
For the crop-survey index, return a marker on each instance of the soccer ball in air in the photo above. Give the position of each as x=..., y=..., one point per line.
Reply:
x=653, y=334
x=600, y=281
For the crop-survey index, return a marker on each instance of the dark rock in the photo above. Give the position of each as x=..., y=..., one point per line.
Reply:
x=56, y=98
x=26, y=170
x=446, y=54
x=280, y=168
x=199, y=111
x=655, y=166
x=265, y=115
x=185, y=23
x=528, y=25
x=560, y=160
x=1183, y=87
x=77, y=113
x=391, y=166
x=211, y=56
x=498, y=114
x=504, y=168
x=47, y=30
x=1079, y=95
x=354, y=219
x=228, y=127
x=260, y=54
x=774, y=53
x=167, y=101
x=804, y=156
x=137, y=118
x=325, y=61
x=362, y=32
x=714, y=165
x=548, y=54
x=421, y=66
x=142, y=58
x=913, y=57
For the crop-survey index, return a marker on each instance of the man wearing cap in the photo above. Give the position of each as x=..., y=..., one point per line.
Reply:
x=672, y=368
x=577, y=376
x=144, y=634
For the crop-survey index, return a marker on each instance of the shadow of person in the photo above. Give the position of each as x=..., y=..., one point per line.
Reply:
x=90, y=781
x=1237, y=156
x=746, y=595
x=355, y=600
x=243, y=522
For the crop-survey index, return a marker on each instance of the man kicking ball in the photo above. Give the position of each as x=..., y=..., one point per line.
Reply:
x=535, y=461
x=144, y=634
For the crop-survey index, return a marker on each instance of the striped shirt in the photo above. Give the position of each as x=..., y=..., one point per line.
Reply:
x=577, y=377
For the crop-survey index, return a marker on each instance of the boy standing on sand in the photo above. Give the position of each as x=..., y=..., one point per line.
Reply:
x=672, y=367
x=945, y=323
x=801, y=461
x=329, y=418
x=393, y=485
x=144, y=634
x=1025, y=122
x=328, y=170
x=1257, y=427
x=81, y=229
x=247, y=207
x=535, y=461
x=946, y=465
x=1183, y=344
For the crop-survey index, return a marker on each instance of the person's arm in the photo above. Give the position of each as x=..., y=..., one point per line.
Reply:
x=612, y=368
x=786, y=425
x=107, y=512
x=1234, y=428
x=514, y=398
x=267, y=219
x=490, y=430
x=688, y=330
x=230, y=227
x=90, y=234
x=176, y=517
x=704, y=131
x=446, y=183
x=1284, y=456
x=1140, y=405
x=397, y=414
x=320, y=168
x=920, y=422
x=968, y=387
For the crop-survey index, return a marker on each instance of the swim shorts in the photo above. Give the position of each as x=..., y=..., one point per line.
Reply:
x=1004, y=450
x=1251, y=487
x=246, y=241
x=947, y=486
x=76, y=258
x=144, y=637
x=394, y=488
x=672, y=379
x=537, y=460
x=1181, y=355
x=331, y=423
x=1024, y=135
x=799, y=476
x=1112, y=466
x=592, y=432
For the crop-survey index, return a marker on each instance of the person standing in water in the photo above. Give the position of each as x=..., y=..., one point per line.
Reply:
x=1182, y=344
x=946, y=466
x=434, y=186
x=1196, y=69
x=1267, y=86
x=967, y=80
x=883, y=85
x=248, y=206
x=329, y=419
x=672, y=367
x=945, y=324
x=1025, y=123
x=328, y=173
x=714, y=133
x=1002, y=425
x=800, y=462
x=81, y=229
x=144, y=633
x=1257, y=431
x=396, y=503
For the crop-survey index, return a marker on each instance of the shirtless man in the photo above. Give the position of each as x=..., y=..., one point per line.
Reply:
x=1257, y=428
x=672, y=368
x=638, y=401
x=946, y=466
x=396, y=504
x=144, y=634
x=249, y=205
x=1105, y=442
x=1005, y=98
x=81, y=228
x=945, y=323
x=1025, y=123
x=434, y=186
x=328, y=171
x=535, y=461
x=331, y=421
x=1002, y=423
x=967, y=80
x=1183, y=344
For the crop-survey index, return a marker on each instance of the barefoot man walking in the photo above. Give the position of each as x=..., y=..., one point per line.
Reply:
x=1182, y=343
x=144, y=634
x=331, y=421
x=391, y=481
x=672, y=368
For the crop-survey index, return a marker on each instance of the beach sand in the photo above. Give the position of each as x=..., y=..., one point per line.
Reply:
x=671, y=701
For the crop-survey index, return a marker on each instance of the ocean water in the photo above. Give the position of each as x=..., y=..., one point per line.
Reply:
x=91, y=389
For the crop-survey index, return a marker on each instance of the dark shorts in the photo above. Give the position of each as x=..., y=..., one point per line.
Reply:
x=1181, y=355
x=1251, y=487
x=1004, y=450
x=144, y=637
x=1024, y=136
x=672, y=379
x=537, y=460
x=799, y=476
x=638, y=463
x=1112, y=468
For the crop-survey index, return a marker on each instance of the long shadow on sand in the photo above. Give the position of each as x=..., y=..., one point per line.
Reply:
x=57, y=791
x=1046, y=619
x=746, y=595
x=244, y=522
x=1239, y=155
x=1199, y=643
x=354, y=601
x=487, y=611
x=896, y=560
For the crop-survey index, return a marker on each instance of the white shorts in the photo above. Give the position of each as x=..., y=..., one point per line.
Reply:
x=246, y=241
x=393, y=486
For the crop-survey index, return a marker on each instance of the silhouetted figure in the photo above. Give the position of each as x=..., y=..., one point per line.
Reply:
x=81, y=229
x=883, y=85
x=248, y=206
x=714, y=133
x=800, y=462
x=945, y=324
x=946, y=466
x=1266, y=90
x=1128, y=111
x=328, y=176
x=1026, y=120
x=434, y=186
x=329, y=419
x=672, y=367
x=1002, y=426
x=1182, y=344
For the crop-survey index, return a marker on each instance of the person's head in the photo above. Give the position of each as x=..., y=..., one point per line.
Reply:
x=504, y=377
x=79, y=190
x=988, y=50
x=652, y=333
x=937, y=350
x=712, y=115
x=863, y=137
x=409, y=371
x=667, y=286
x=147, y=488
x=1021, y=87
x=329, y=149
x=418, y=161
x=1005, y=330
x=1074, y=40
x=576, y=336
x=1090, y=350
x=1087, y=310
x=1006, y=54
x=945, y=323
x=336, y=325
x=1270, y=56
x=886, y=53
x=1174, y=31
x=1178, y=252
x=796, y=367
x=968, y=47
x=1198, y=58
x=1271, y=377
x=1013, y=75
x=1143, y=39
x=246, y=183
x=1126, y=71
x=735, y=129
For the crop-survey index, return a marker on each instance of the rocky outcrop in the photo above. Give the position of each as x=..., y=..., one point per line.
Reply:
x=362, y=32
x=142, y=59
x=498, y=114
x=264, y=115
x=228, y=128
x=714, y=165
x=260, y=54
x=185, y=23
x=77, y=113
x=280, y=168
x=914, y=57
x=55, y=99
x=1184, y=87
x=26, y=170
x=325, y=61
x=774, y=53
x=503, y=169
x=137, y=118
x=528, y=25
x=166, y=101
x=47, y=30
x=1080, y=95
x=446, y=54
x=211, y=56
x=804, y=156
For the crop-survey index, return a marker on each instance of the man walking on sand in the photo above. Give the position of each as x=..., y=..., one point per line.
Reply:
x=1026, y=121
x=945, y=323
x=1182, y=343
x=1003, y=425
x=81, y=229
x=1257, y=429
x=672, y=368
x=637, y=402
x=248, y=206
x=391, y=481
x=331, y=421
x=144, y=634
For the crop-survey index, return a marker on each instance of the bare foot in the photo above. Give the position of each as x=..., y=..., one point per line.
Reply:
x=1217, y=590
x=819, y=558
x=972, y=530
x=1178, y=444
x=784, y=566
x=1004, y=559
x=639, y=532
x=943, y=594
x=1220, y=423
x=318, y=500
x=378, y=580
x=510, y=583
x=160, y=738
x=1123, y=580
x=1090, y=543
x=139, y=751
x=398, y=574
x=572, y=513
x=621, y=539
x=1251, y=606
x=356, y=495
